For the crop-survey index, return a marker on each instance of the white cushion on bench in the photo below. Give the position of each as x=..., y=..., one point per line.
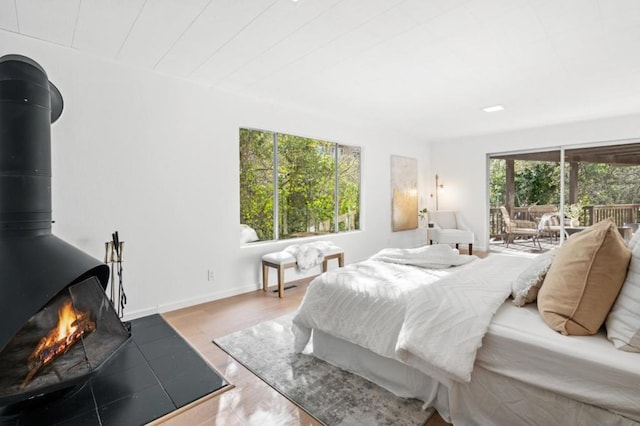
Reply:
x=283, y=257
x=279, y=258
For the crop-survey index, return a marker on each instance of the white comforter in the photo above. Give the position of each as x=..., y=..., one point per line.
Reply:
x=445, y=322
x=431, y=319
x=363, y=303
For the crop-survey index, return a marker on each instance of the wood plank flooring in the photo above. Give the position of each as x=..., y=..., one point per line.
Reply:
x=250, y=401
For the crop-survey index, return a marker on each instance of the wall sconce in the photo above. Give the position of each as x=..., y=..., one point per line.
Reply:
x=439, y=188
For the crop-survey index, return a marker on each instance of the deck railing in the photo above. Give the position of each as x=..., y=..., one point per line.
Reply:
x=620, y=213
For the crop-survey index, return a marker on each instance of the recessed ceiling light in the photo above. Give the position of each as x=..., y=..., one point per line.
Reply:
x=493, y=108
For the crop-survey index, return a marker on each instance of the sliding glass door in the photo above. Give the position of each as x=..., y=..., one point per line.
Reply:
x=560, y=194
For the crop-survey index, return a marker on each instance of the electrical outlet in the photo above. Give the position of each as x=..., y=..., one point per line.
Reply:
x=210, y=274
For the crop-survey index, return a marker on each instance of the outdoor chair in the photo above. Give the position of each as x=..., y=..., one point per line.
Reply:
x=547, y=218
x=515, y=228
x=448, y=228
x=536, y=212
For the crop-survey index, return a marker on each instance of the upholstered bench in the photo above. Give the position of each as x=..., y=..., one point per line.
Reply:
x=281, y=260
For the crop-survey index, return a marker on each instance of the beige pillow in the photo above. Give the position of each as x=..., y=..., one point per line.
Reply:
x=584, y=280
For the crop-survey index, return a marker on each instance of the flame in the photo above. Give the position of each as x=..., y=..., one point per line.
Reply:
x=70, y=329
x=64, y=330
x=67, y=324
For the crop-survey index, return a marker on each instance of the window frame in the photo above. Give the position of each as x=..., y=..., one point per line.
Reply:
x=337, y=146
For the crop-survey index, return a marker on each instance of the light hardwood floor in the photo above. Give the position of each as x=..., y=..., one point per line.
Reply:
x=250, y=401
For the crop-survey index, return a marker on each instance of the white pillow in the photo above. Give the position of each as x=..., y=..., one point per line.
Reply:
x=247, y=234
x=634, y=239
x=623, y=322
x=524, y=289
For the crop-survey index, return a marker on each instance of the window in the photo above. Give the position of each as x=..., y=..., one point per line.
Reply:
x=291, y=186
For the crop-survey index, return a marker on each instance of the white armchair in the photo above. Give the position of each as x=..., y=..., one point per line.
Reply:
x=448, y=228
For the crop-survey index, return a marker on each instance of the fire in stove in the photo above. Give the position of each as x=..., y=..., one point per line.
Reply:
x=62, y=345
x=72, y=326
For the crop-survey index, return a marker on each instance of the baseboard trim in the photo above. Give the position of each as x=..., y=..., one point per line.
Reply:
x=184, y=303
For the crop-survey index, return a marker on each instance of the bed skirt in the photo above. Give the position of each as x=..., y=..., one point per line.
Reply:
x=392, y=375
x=489, y=399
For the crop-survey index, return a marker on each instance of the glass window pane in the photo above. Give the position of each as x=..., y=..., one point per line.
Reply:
x=348, y=188
x=256, y=181
x=520, y=181
x=306, y=182
x=604, y=182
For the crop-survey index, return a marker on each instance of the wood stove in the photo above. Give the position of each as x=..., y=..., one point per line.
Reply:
x=58, y=327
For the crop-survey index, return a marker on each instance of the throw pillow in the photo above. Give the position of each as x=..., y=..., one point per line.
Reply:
x=634, y=239
x=584, y=280
x=247, y=234
x=623, y=322
x=524, y=289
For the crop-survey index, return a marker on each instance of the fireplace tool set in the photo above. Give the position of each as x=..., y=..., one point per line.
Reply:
x=113, y=258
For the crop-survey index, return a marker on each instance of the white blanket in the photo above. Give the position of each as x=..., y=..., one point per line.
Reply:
x=435, y=257
x=310, y=254
x=363, y=303
x=446, y=321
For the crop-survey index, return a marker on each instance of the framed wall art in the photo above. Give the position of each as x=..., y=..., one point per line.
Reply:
x=404, y=193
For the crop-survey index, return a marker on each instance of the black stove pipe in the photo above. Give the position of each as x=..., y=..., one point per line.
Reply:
x=34, y=264
x=26, y=114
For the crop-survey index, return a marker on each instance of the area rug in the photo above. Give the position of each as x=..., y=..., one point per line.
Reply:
x=331, y=395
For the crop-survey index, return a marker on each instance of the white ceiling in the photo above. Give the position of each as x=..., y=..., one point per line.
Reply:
x=427, y=67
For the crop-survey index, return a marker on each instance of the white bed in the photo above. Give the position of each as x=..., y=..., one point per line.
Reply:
x=362, y=296
x=524, y=372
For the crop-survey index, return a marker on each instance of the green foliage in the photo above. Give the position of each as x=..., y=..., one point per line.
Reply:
x=603, y=184
x=306, y=182
x=256, y=181
x=535, y=183
x=539, y=183
x=348, y=188
x=497, y=182
x=574, y=211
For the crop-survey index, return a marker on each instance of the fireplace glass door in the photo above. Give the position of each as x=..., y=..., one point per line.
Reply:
x=62, y=344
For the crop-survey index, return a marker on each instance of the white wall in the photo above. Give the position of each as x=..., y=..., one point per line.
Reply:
x=156, y=158
x=462, y=165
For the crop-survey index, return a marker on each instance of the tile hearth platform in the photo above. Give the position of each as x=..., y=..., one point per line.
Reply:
x=155, y=374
